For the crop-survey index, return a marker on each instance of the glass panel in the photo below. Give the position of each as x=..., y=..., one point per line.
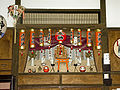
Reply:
x=61, y=4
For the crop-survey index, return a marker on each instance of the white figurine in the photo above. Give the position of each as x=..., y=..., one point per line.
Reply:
x=32, y=61
x=75, y=41
x=70, y=60
x=88, y=61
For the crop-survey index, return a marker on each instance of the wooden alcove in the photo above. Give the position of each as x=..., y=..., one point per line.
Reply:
x=60, y=81
x=26, y=80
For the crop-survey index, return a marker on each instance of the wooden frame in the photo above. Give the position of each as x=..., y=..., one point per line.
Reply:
x=102, y=26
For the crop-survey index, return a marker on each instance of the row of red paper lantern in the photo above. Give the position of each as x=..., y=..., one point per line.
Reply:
x=41, y=37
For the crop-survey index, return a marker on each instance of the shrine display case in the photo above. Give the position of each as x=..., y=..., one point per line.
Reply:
x=62, y=49
x=59, y=49
x=60, y=53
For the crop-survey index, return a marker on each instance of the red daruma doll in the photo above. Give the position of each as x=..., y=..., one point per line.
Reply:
x=82, y=69
x=46, y=69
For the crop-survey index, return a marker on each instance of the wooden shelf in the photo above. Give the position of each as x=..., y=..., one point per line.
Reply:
x=59, y=26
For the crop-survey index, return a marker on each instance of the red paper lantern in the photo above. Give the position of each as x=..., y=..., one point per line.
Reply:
x=32, y=40
x=79, y=37
x=46, y=69
x=49, y=36
x=22, y=39
x=41, y=37
x=98, y=38
x=60, y=36
x=71, y=36
x=89, y=42
x=89, y=51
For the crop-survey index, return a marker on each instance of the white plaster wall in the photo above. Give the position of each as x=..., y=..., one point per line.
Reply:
x=4, y=9
x=62, y=4
x=113, y=13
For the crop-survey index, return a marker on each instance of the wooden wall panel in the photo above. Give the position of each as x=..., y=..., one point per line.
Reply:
x=5, y=64
x=113, y=35
x=38, y=89
x=5, y=72
x=82, y=88
x=6, y=45
x=82, y=79
x=38, y=79
x=115, y=78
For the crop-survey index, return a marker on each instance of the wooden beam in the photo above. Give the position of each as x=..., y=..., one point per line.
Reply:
x=17, y=2
x=103, y=23
x=103, y=12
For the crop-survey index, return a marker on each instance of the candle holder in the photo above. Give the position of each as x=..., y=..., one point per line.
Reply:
x=52, y=65
x=75, y=69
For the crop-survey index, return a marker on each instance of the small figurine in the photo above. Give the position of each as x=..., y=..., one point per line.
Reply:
x=88, y=55
x=82, y=69
x=29, y=71
x=32, y=57
x=75, y=68
x=75, y=41
x=46, y=69
x=91, y=68
x=39, y=68
x=34, y=70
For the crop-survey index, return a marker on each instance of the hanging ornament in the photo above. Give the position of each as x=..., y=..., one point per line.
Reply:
x=79, y=50
x=60, y=36
x=41, y=37
x=49, y=35
x=32, y=38
x=3, y=26
x=41, y=51
x=15, y=11
x=98, y=38
x=22, y=39
x=79, y=37
x=89, y=42
x=21, y=53
x=98, y=53
x=71, y=36
x=49, y=47
x=71, y=47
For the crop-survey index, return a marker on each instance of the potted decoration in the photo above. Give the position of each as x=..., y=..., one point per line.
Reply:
x=32, y=56
x=88, y=55
x=16, y=11
x=82, y=69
